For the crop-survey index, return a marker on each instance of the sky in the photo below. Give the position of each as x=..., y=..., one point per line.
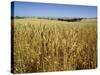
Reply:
x=30, y=9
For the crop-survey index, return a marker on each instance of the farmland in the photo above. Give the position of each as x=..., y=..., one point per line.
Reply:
x=41, y=45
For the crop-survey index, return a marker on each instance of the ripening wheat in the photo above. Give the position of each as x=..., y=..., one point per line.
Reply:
x=49, y=45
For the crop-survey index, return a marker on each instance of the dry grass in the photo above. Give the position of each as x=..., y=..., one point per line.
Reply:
x=49, y=45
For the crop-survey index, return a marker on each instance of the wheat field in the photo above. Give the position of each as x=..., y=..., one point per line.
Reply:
x=40, y=45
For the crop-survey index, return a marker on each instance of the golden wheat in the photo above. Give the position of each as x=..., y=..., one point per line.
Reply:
x=49, y=45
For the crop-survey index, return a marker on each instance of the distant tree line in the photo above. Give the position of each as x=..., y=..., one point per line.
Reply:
x=63, y=19
x=17, y=17
x=59, y=19
x=70, y=19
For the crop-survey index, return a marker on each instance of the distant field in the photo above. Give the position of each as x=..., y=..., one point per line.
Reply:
x=41, y=45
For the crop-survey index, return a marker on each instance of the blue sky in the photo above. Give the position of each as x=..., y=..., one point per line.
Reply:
x=52, y=10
